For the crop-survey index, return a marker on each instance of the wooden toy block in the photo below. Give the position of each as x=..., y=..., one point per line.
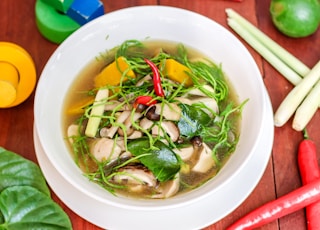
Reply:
x=83, y=11
x=53, y=25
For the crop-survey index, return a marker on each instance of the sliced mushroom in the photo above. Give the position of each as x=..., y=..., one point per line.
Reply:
x=140, y=108
x=126, y=154
x=129, y=130
x=73, y=131
x=152, y=115
x=109, y=132
x=135, y=134
x=135, y=177
x=143, y=80
x=169, y=111
x=185, y=153
x=123, y=157
x=198, y=92
x=210, y=103
x=231, y=136
x=184, y=100
x=205, y=161
x=168, y=189
x=105, y=149
x=128, y=123
x=196, y=141
x=127, y=97
x=104, y=132
x=168, y=127
x=121, y=143
x=112, y=104
x=145, y=123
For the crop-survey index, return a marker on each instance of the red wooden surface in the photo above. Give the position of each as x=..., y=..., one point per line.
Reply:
x=17, y=25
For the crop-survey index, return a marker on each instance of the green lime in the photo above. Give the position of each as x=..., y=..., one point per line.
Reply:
x=295, y=18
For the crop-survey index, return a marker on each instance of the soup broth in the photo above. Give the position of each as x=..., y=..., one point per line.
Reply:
x=151, y=119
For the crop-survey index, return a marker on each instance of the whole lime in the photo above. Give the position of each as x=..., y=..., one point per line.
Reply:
x=295, y=18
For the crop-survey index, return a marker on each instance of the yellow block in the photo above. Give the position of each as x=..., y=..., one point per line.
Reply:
x=113, y=73
x=177, y=72
x=8, y=93
x=9, y=78
x=17, y=75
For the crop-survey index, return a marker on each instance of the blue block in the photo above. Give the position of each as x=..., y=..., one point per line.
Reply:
x=83, y=11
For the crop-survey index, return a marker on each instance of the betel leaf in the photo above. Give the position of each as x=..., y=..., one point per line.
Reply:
x=24, y=207
x=1, y=218
x=16, y=170
x=192, y=120
x=160, y=160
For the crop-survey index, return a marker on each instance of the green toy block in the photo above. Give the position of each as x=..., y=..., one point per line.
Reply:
x=60, y=5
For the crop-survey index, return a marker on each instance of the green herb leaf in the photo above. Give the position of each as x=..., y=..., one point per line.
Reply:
x=192, y=120
x=161, y=160
x=16, y=170
x=24, y=207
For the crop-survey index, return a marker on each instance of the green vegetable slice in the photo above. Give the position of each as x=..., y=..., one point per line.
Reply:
x=24, y=207
x=192, y=120
x=160, y=160
x=16, y=170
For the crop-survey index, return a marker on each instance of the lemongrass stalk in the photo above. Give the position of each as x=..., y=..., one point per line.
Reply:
x=96, y=112
x=307, y=109
x=279, y=65
x=290, y=60
x=296, y=96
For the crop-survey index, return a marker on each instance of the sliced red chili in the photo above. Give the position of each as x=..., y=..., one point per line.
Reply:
x=156, y=78
x=144, y=100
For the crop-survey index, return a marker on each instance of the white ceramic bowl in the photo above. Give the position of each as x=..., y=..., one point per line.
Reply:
x=192, y=210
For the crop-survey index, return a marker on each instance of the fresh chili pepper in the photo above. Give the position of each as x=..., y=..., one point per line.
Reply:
x=144, y=100
x=289, y=203
x=156, y=78
x=309, y=171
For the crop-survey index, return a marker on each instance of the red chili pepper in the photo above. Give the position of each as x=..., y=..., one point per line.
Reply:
x=289, y=203
x=156, y=78
x=309, y=171
x=144, y=100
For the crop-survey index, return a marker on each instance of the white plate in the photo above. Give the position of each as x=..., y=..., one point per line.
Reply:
x=197, y=215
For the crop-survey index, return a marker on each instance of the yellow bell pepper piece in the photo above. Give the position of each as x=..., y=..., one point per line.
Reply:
x=79, y=107
x=177, y=72
x=113, y=73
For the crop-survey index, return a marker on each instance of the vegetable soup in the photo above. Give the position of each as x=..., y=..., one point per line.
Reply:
x=151, y=119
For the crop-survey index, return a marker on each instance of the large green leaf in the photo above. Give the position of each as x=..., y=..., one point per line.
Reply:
x=1, y=218
x=24, y=207
x=16, y=170
x=161, y=160
x=192, y=120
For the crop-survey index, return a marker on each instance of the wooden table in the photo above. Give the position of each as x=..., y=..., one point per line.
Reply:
x=17, y=25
